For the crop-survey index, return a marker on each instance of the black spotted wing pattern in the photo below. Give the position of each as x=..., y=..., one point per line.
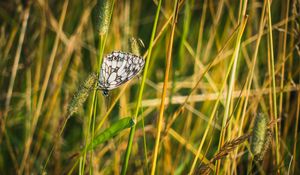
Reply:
x=118, y=68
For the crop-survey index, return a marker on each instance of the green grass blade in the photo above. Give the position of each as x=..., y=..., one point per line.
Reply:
x=110, y=132
x=132, y=131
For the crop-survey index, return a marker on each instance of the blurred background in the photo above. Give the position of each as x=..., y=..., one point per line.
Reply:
x=231, y=61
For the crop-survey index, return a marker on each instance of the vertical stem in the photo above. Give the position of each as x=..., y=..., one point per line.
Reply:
x=132, y=131
x=164, y=92
x=296, y=134
x=93, y=106
x=231, y=86
x=273, y=85
x=43, y=89
x=101, y=46
x=16, y=59
x=283, y=57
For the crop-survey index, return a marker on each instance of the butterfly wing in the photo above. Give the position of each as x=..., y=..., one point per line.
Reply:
x=118, y=68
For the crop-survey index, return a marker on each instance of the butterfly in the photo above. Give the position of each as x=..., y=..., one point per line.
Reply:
x=118, y=68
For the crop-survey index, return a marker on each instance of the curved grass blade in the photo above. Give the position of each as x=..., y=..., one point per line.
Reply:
x=110, y=132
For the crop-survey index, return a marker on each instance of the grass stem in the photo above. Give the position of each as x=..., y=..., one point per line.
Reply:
x=132, y=130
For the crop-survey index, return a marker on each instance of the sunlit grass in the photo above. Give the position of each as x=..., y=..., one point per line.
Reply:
x=219, y=93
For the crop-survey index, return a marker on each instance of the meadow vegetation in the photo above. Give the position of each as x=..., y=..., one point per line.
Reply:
x=219, y=93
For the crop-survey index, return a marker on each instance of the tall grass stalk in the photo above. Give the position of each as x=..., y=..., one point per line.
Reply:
x=16, y=60
x=139, y=101
x=212, y=116
x=164, y=92
x=283, y=55
x=14, y=70
x=43, y=91
x=251, y=73
x=196, y=69
x=296, y=134
x=105, y=13
x=273, y=85
x=181, y=108
x=234, y=59
x=135, y=49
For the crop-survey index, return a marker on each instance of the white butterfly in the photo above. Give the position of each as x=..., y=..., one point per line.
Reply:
x=118, y=68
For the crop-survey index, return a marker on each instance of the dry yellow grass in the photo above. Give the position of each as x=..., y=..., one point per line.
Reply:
x=212, y=67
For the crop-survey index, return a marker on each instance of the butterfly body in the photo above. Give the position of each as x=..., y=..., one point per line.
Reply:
x=118, y=68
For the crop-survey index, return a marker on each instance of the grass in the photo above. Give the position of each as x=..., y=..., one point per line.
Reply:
x=213, y=69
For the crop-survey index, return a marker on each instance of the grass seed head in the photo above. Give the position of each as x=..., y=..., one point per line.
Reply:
x=259, y=134
x=135, y=45
x=82, y=93
x=104, y=10
x=229, y=146
x=203, y=170
x=266, y=147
